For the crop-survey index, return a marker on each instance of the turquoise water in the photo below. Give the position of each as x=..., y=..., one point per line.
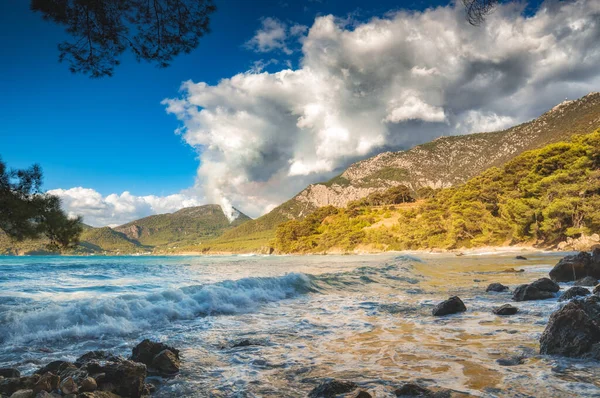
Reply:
x=364, y=318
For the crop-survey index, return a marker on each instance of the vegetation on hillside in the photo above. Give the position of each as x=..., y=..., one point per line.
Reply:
x=541, y=196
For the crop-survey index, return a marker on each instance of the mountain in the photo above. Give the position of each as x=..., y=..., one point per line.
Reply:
x=106, y=239
x=186, y=226
x=444, y=162
x=541, y=197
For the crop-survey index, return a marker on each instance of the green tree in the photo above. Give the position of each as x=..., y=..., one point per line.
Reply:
x=155, y=31
x=26, y=212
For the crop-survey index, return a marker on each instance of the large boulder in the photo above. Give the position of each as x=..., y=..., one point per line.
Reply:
x=589, y=281
x=573, y=330
x=23, y=394
x=546, y=284
x=47, y=382
x=97, y=356
x=11, y=385
x=496, y=287
x=9, y=372
x=505, y=309
x=575, y=291
x=125, y=378
x=157, y=356
x=166, y=362
x=69, y=386
x=451, y=306
x=413, y=390
x=530, y=292
x=332, y=388
x=577, y=266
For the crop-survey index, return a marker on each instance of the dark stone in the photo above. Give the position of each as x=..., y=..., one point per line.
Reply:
x=573, y=330
x=596, y=290
x=496, y=287
x=587, y=281
x=505, y=309
x=166, y=362
x=332, y=388
x=413, y=390
x=513, y=270
x=147, y=350
x=450, y=306
x=11, y=385
x=9, y=372
x=125, y=378
x=47, y=382
x=530, y=292
x=521, y=258
x=56, y=367
x=575, y=291
x=97, y=356
x=512, y=361
x=363, y=394
x=546, y=284
x=577, y=266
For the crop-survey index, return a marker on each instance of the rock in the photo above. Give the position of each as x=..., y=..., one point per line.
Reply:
x=450, y=306
x=505, y=309
x=574, y=267
x=513, y=270
x=69, y=386
x=521, y=258
x=413, y=390
x=596, y=290
x=88, y=385
x=23, y=394
x=511, y=361
x=48, y=382
x=125, y=378
x=573, y=330
x=332, y=388
x=45, y=394
x=587, y=281
x=147, y=350
x=166, y=362
x=11, y=385
x=98, y=394
x=546, y=284
x=362, y=394
x=9, y=372
x=59, y=368
x=496, y=287
x=575, y=291
x=97, y=356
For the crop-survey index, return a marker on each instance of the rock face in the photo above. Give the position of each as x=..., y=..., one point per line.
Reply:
x=451, y=306
x=587, y=281
x=541, y=289
x=157, y=356
x=574, y=267
x=505, y=309
x=332, y=388
x=574, y=330
x=496, y=287
x=575, y=291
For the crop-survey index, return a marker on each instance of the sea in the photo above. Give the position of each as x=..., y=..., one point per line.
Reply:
x=306, y=319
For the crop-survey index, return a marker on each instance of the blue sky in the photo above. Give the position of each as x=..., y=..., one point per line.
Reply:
x=112, y=134
x=361, y=78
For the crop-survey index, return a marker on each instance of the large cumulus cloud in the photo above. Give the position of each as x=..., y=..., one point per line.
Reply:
x=388, y=83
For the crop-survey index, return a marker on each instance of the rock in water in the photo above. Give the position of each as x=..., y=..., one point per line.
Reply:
x=573, y=330
x=587, y=281
x=413, y=390
x=332, y=388
x=574, y=267
x=596, y=290
x=362, y=394
x=521, y=258
x=125, y=378
x=575, y=291
x=166, y=362
x=546, y=284
x=451, y=306
x=496, y=287
x=9, y=372
x=97, y=356
x=505, y=309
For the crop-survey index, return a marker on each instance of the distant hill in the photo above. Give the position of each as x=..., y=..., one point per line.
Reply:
x=442, y=163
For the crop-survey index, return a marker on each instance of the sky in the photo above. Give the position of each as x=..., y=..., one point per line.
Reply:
x=279, y=95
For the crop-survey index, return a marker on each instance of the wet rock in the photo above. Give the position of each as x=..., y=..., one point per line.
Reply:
x=511, y=361
x=513, y=270
x=147, y=350
x=596, y=290
x=69, y=386
x=166, y=362
x=587, y=281
x=47, y=382
x=45, y=394
x=413, y=390
x=573, y=330
x=11, y=385
x=23, y=394
x=521, y=258
x=574, y=267
x=98, y=394
x=546, y=284
x=496, y=287
x=97, y=356
x=505, y=309
x=9, y=372
x=125, y=378
x=451, y=306
x=528, y=292
x=575, y=291
x=88, y=385
x=60, y=368
x=332, y=388
x=362, y=394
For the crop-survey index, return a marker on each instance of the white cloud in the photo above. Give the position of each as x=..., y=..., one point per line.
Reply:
x=275, y=35
x=117, y=209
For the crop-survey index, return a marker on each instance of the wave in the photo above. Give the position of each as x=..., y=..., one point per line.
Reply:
x=127, y=314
